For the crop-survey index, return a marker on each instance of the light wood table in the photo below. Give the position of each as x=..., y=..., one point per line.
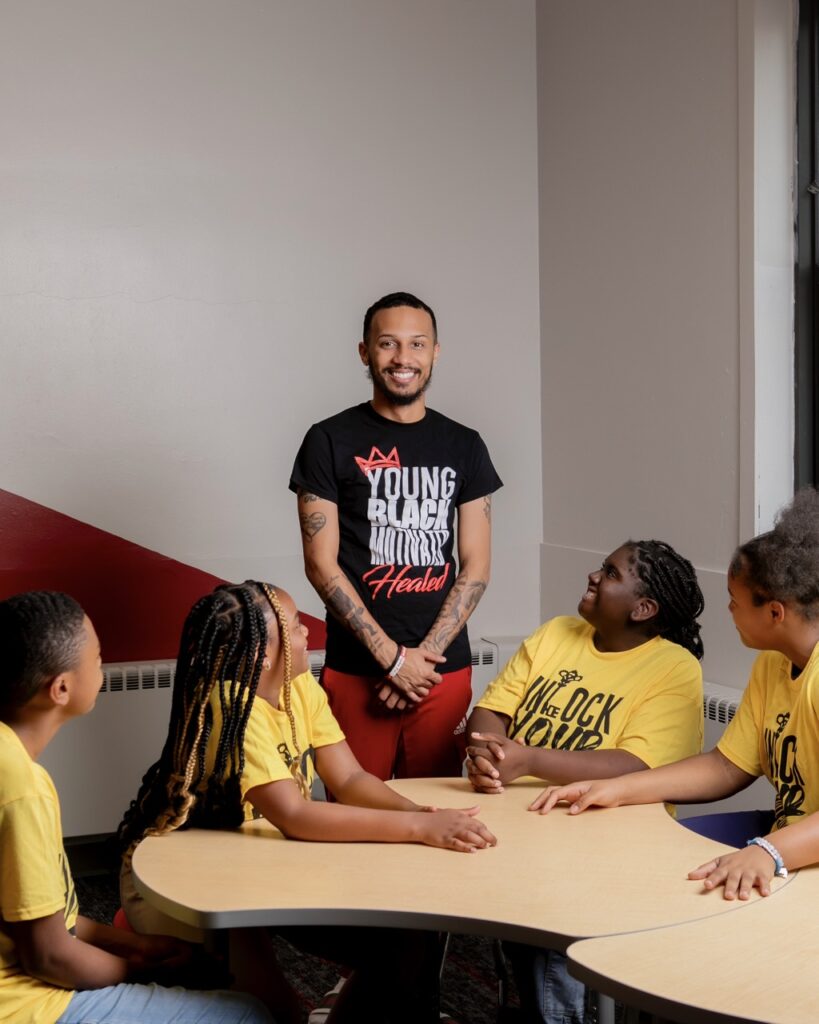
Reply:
x=756, y=965
x=551, y=879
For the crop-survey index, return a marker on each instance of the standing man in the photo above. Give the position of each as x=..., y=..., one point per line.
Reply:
x=378, y=489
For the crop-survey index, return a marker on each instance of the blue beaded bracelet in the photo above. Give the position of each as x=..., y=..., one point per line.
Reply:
x=769, y=848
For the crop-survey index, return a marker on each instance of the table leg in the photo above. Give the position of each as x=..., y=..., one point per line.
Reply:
x=605, y=1009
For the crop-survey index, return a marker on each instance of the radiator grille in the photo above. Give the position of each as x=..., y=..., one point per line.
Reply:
x=142, y=676
x=485, y=654
x=719, y=709
x=145, y=676
x=719, y=703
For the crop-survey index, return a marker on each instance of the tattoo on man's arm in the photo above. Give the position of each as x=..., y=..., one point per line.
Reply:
x=336, y=600
x=344, y=609
x=312, y=523
x=359, y=625
x=461, y=601
x=487, y=507
x=306, y=496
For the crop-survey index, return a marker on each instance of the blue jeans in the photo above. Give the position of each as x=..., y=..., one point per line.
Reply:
x=152, y=1004
x=548, y=993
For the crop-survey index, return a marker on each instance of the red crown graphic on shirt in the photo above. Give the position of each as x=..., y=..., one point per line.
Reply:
x=378, y=460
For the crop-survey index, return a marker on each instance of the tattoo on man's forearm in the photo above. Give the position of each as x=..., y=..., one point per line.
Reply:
x=460, y=602
x=312, y=523
x=336, y=600
x=307, y=497
x=359, y=625
x=487, y=507
x=344, y=609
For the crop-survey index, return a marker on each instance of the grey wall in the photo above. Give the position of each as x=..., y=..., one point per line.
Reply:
x=652, y=283
x=199, y=199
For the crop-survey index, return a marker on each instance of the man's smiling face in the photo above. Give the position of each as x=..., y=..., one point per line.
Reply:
x=400, y=353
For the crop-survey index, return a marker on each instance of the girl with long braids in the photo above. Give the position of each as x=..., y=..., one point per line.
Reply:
x=617, y=690
x=249, y=727
x=773, y=585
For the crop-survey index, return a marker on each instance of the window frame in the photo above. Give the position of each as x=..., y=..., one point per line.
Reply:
x=806, y=282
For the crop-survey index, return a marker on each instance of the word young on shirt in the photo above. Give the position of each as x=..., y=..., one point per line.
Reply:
x=577, y=723
x=408, y=511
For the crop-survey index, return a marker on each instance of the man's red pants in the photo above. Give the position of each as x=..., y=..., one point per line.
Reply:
x=423, y=741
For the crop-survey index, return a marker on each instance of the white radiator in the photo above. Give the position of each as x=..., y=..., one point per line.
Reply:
x=97, y=761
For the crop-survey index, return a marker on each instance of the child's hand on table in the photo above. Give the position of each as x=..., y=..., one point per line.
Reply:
x=454, y=829
x=580, y=795
x=740, y=873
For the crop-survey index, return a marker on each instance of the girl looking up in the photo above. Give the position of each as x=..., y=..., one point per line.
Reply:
x=616, y=690
x=249, y=726
x=773, y=585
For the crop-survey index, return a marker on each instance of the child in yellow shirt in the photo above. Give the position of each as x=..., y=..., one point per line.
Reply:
x=773, y=584
x=249, y=728
x=616, y=690
x=56, y=966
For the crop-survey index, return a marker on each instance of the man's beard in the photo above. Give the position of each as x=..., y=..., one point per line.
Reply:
x=398, y=399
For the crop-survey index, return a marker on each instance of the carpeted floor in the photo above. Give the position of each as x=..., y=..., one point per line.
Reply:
x=469, y=984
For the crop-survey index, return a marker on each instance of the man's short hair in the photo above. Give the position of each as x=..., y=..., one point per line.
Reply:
x=390, y=302
x=41, y=635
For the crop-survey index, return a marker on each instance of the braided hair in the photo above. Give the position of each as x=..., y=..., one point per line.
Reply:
x=294, y=763
x=783, y=564
x=670, y=580
x=221, y=655
x=41, y=635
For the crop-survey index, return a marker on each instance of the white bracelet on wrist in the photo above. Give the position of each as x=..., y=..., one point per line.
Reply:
x=769, y=848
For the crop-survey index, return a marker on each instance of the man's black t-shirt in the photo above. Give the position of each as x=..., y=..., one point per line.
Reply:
x=396, y=486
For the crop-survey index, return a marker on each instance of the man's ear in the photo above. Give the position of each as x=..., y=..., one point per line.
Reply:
x=364, y=353
x=645, y=609
x=435, y=353
x=57, y=690
x=776, y=611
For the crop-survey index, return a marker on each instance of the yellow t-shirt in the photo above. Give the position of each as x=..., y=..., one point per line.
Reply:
x=268, y=744
x=35, y=879
x=775, y=733
x=564, y=694
x=268, y=749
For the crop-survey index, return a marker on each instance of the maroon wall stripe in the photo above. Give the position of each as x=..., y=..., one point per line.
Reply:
x=137, y=598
